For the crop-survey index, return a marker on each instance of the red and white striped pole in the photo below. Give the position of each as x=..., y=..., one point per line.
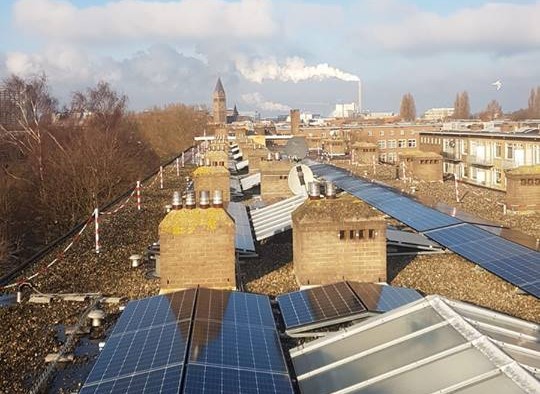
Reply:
x=177, y=166
x=183, y=160
x=96, y=221
x=161, y=177
x=138, y=191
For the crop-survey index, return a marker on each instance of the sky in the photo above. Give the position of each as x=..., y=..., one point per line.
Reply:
x=273, y=55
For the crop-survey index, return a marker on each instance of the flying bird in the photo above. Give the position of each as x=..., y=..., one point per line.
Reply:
x=497, y=84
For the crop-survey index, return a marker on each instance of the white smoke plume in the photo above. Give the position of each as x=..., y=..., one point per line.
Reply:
x=257, y=100
x=293, y=69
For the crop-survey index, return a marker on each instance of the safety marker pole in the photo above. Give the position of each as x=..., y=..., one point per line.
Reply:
x=96, y=221
x=161, y=177
x=177, y=166
x=183, y=160
x=193, y=156
x=138, y=188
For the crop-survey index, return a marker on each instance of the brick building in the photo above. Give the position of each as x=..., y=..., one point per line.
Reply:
x=197, y=248
x=295, y=121
x=254, y=153
x=338, y=239
x=482, y=158
x=523, y=188
x=426, y=166
x=213, y=178
x=364, y=153
x=219, y=104
x=275, y=179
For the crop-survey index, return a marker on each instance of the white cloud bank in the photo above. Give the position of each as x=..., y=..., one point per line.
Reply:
x=493, y=27
x=258, y=101
x=137, y=19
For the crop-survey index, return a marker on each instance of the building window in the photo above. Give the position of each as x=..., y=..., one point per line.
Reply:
x=392, y=157
x=382, y=157
x=382, y=144
x=351, y=234
x=372, y=234
x=412, y=143
x=360, y=234
x=341, y=234
x=391, y=144
x=402, y=143
x=465, y=171
x=509, y=151
x=391, y=132
x=498, y=176
x=498, y=149
x=370, y=133
x=381, y=133
x=402, y=132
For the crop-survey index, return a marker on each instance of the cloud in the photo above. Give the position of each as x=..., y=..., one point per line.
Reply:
x=493, y=28
x=258, y=101
x=138, y=19
x=292, y=69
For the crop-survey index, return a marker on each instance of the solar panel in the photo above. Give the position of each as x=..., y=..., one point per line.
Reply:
x=243, y=237
x=210, y=379
x=147, y=347
x=276, y=218
x=382, y=298
x=235, y=347
x=163, y=381
x=319, y=305
x=250, y=181
x=154, y=311
x=512, y=262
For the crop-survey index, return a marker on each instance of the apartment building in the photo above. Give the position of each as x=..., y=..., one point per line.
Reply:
x=481, y=158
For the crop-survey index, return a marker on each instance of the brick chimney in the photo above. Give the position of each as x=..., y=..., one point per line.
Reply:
x=338, y=239
x=275, y=178
x=197, y=247
x=295, y=121
x=523, y=188
x=212, y=178
x=426, y=166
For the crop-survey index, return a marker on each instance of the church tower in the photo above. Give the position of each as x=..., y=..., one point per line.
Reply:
x=219, y=108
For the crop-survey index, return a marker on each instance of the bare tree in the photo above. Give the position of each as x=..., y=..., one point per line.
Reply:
x=104, y=106
x=407, y=109
x=462, y=108
x=533, y=109
x=492, y=111
x=33, y=109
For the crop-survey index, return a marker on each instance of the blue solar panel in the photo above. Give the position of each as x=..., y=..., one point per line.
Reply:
x=236, y=307
x=211, y=379
x=141, y=351
x=515, y=263
x=319, y=305
x=382, y=298
x=153, y=311
x=237, y=346
x=163, y=381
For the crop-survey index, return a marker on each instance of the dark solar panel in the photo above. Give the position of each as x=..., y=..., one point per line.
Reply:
x=319, y=305
x=163, y=381
x=382, y=298
x=515, y=263
x=140, y=351
x=235, y=307
x=237, y=346
x=153, y=311
x=211, y=379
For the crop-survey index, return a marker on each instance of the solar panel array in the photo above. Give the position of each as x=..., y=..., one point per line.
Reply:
x=276, y=218
x=514, y=263
x=326, y=305
x=243, y=238
x=198, y=340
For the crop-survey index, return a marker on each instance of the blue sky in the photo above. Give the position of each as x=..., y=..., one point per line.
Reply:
x=277, y=54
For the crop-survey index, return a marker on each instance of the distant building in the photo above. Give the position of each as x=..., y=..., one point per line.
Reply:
x=480, y=157
x=345, y=110
x=232, y=115
x=219, y=108
x=438, y=114
x=379, y=115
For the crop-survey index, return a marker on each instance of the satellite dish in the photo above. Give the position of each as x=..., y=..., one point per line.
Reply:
x=296, y=148
x=299, y=177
